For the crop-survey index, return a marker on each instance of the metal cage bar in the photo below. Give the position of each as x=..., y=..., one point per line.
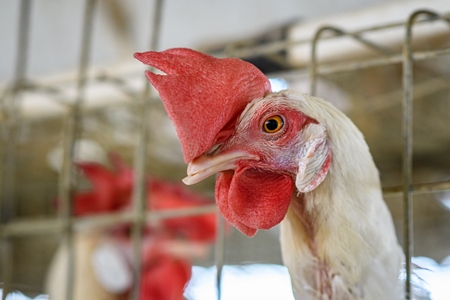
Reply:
x=140, y=187
x=56, y=225
x=219, y=254
x=407, y=138
x=270, y=48
x=379, y=61
x=11, y=107
x=406, y=58
x=313, y=72
x=68, y=178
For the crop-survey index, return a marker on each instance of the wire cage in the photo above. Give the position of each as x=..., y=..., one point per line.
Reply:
x=123, y=95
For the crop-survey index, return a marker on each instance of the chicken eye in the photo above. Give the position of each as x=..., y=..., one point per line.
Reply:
x=273, y=124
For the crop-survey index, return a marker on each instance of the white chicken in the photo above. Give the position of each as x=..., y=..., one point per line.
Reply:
x=284, y=157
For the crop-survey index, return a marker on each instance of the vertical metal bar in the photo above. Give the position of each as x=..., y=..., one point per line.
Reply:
x=7, y=266
x=157, y=17
x=22, y=45
x=313, y=73
x=407, y=139
x=140, y=186
x=8, y=170
x=219, y=254
x=68, y=179
x=11, y=106
x=407, y=158
x=313, y=63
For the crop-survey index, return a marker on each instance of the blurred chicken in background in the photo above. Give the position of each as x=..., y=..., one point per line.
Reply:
x=103, y=257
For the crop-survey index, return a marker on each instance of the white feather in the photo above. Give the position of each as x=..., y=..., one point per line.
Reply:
x=353, y=252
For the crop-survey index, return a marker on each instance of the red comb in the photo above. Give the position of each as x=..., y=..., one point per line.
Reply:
x=202, y=94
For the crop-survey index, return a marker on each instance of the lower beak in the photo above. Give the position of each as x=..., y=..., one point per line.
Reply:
x=204, y=166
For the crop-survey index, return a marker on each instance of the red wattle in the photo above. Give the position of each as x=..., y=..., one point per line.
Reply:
x=252, y=199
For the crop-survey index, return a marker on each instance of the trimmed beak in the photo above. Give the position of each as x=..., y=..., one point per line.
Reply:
x=204, y=166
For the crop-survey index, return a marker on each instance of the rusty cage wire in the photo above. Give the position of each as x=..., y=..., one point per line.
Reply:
x=66, y=224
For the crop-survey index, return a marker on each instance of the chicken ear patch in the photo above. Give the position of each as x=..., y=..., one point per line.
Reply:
x=253, y=199
x=314, y=158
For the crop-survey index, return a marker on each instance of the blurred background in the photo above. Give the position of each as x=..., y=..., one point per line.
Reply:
x=44, y=50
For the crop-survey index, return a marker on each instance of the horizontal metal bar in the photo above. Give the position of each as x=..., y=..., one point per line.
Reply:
x=273, y=47
x=56, y=225
x=30, y=227
x=182, y=212
x=379, y=61
x=263, y=49
x=418, y=188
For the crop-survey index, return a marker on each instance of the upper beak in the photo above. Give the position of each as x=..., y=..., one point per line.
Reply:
x=205, y=166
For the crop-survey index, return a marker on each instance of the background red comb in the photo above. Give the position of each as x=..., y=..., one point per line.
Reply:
x=202, y=94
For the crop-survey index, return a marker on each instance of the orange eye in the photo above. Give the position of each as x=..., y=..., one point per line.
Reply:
x=273, y=124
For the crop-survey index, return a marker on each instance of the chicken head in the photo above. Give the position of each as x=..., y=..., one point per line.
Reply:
x=261, y=146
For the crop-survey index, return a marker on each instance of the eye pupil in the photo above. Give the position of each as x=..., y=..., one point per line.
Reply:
x=273, y=124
